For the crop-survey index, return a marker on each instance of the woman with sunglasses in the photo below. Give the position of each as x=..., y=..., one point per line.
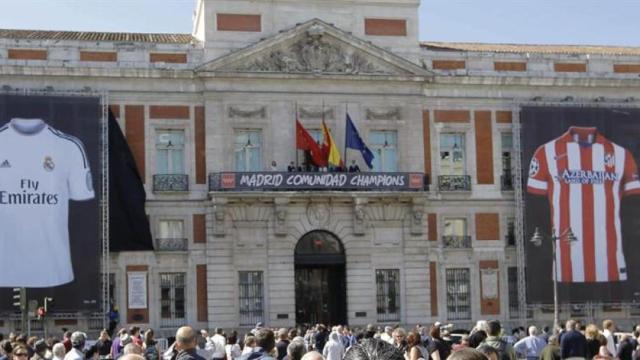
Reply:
x=20, y=353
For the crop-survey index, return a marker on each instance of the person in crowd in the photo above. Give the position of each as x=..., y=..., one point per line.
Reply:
x=505, y=350
x=134, y=333
x=320, y=338
x=78, y=340
x=132, y=357
x=283, y=342
x=116, y=344
x=463, y=344
x=415, y=350
x=274, y=166
x=603, y=354
x=545, y=334
x=40, y=350
x=20, y=353
x=313, y=355
x=265, y=345
x=66, y=340
x=150, y=348
x=399, y=339
x=220, y=344
x=249, y=343
x=6, y=349
x=373, y=349
x=132, y=348
x=573, y=343
x=103, y=344
x=552, y=350
x=296, y=350
x=354, y=168
x=530, y=346
x=333, y=349
x=232, y=348
x=478, y=334
x=31, y=342
x=467, y=354
x=58, y=351
x=489, y=352
x=625, y=348
x=608, y=327
x=291, y=167
x=593, y=341
x=436, y=343
x=387, y=335
x=186, y=344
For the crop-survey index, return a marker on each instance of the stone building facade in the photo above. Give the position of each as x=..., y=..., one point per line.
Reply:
x=226, y=98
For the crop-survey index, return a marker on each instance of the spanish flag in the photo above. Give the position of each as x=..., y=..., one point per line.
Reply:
x=333, y=155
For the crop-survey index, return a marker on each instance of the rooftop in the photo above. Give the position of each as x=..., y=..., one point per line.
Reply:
x=531, y=48
x=95, y=36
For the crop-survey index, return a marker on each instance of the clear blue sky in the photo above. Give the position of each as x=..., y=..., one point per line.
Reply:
x=606, y=22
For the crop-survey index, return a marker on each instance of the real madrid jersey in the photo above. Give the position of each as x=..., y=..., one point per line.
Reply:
x=584, y=175
x=41, y=169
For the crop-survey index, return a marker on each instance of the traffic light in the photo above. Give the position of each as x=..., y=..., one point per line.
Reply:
x=19, y=297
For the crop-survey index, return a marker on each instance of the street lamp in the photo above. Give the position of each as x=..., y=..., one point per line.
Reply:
x=537, y=239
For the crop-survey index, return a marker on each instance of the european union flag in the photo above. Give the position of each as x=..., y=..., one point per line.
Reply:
x=354, y=141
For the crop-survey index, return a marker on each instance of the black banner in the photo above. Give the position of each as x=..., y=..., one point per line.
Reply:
x=582, y=189
x=50, y=181
x=336, y=181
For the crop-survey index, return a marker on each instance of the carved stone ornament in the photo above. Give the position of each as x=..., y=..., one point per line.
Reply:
x=379, y=114
x=259, y=112
x=318, y=214
x=314, y=53
x=316, y=113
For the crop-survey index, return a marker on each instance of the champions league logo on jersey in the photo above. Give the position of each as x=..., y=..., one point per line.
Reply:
x=48, y=164
x=587, y=176
x=609, y=160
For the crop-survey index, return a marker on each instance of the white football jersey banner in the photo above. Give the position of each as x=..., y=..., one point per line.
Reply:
x=41, y=169
x=584, y=176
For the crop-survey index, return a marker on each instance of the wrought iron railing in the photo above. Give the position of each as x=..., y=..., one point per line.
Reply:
x=506, y=182
x=171, y=244
x=454, y=183
x=456, y=241
x=170, y=182
x=388, y=294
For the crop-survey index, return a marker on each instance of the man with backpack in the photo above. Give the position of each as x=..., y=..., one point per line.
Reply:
x=504, y=349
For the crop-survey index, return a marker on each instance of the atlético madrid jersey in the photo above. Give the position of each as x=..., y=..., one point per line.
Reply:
x=41, y=169
x=584, y=175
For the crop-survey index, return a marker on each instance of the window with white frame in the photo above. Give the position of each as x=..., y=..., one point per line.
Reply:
x=172, y=299
x=248, y=150
x=506, y=140
x=388, y=294
x=251, y=297
x=170, y=229
x=384, y=144
x=452, y=154
x=458, y=294
x=454, y=233
x=170, y=151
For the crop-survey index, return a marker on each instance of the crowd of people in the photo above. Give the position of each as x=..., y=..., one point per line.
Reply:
x=486, y=341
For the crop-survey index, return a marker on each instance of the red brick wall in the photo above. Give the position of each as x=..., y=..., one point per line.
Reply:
x=201, y=293
x=27, y=54
x=432, y=224
x=239, y=22
x=433, y=288
x=484, y=147
x=103, y=56
x=200, y=138
x=510, y=66
x=174, y=58
x=426, y=138
x=570, y=67
x=460, y=116
x=504, y=117
x=385, y=27
x=168, y=112
x=449, y=64
x=487, y=226
x=134, y=131
x=626, y=68
x=199, y=229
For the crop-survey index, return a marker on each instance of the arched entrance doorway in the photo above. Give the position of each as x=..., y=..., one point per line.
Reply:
x=321, y=295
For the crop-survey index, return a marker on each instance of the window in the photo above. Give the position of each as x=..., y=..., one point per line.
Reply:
x=248, y=150
x=507, y=152
x=170, y=152
x=384, y=145
x=512, y=281
x=511, y=231
x=388, y=294
x=452, y=154
x=251, y=297
x=172, y=299
x=454, y=233
x=458, y=294
x=170, y=229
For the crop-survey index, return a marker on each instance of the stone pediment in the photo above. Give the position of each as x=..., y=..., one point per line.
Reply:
x=314, y=47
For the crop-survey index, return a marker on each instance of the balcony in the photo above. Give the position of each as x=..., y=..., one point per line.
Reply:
x=506, y=182
x=454, y=183
x=172, y=244
x=456, y=241
x=170, y=183
x=317, y=181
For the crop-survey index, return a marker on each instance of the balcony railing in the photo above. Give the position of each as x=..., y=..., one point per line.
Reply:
x=171, y=244
x=170, y=182
x=454, y=182
x=317, y=181
x=456, y=241
x=506, y=182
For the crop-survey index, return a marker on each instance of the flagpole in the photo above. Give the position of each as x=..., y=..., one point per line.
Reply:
x=346, y=124
x=324, y=127
x=295, y=147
